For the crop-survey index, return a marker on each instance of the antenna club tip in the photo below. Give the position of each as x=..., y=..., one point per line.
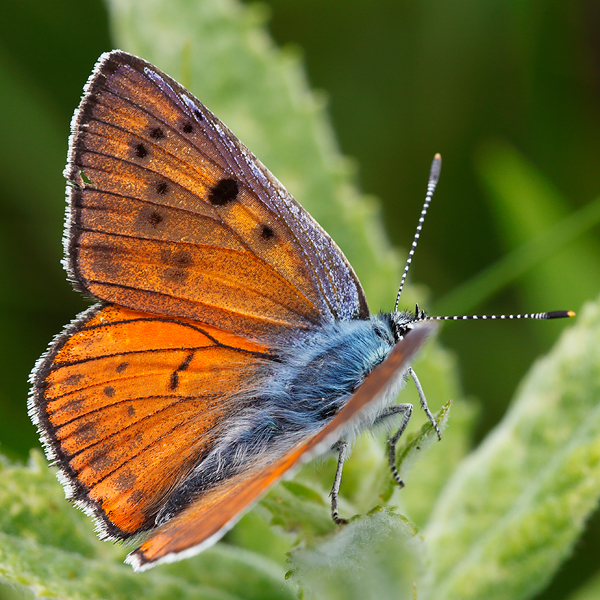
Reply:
x=560, y=314
x=434, y=174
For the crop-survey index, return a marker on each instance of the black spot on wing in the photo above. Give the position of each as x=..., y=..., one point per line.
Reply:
x=187, y=128
x=140, y=151
x=138, y=496
x=155, y=219
x=266, y=232
x=174, y=380
x=100, y=461
x=125, y=480
x=73, y=379
x=162, y=188
x=149, y=216
x=156, y=133
x=86, y=432
x=182, y=258
x=223, y=192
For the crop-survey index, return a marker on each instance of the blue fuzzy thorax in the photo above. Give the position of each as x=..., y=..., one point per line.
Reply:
x=312, y=380
x=319, y=374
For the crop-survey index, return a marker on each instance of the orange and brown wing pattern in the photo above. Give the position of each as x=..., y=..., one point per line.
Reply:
x=214, y=512
x=171, y=214
x=127, y=404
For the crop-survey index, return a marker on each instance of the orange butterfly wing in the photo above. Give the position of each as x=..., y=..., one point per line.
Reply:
x=171, y=214
x=209, y=517
x=127, y=404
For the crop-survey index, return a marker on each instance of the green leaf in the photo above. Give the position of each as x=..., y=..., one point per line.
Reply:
x=438, y=373
x=300, y=506
x=515, y=507
x=378, y=555
x=34, y=508
x=416, y=445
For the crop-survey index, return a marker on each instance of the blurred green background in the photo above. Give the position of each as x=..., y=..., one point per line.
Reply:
x=508, y=92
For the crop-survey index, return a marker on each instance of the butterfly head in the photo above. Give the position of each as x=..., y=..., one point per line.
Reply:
x=401, y=322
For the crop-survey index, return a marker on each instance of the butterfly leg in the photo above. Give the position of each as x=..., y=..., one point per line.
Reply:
x=424, y=402
x=342, y=448
x=397, y=409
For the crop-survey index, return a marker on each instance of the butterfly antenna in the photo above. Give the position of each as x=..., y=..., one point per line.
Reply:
x=434, y=176
x=555, y=314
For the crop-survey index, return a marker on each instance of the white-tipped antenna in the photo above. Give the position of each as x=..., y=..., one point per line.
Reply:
x=434, y=176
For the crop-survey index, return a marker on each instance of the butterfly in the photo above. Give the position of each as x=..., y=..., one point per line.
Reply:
x=231, y=340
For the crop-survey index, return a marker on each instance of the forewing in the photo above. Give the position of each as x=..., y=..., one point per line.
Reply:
x=171, y=214
x=212, y=514
x=127, y=404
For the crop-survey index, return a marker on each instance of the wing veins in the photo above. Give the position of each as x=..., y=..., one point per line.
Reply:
x=179, y=209
x=231, y=141
x=223, y=280
x=154, y=350
x=169, y=321
x=225, y=136
x=170, y=127
x=281, y=220
x=133, y=456
x=176, y=397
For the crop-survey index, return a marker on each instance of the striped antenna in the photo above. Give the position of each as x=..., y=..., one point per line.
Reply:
x=555, y=314
x=434, y=175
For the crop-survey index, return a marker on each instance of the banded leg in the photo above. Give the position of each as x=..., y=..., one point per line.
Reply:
x=342, y=448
